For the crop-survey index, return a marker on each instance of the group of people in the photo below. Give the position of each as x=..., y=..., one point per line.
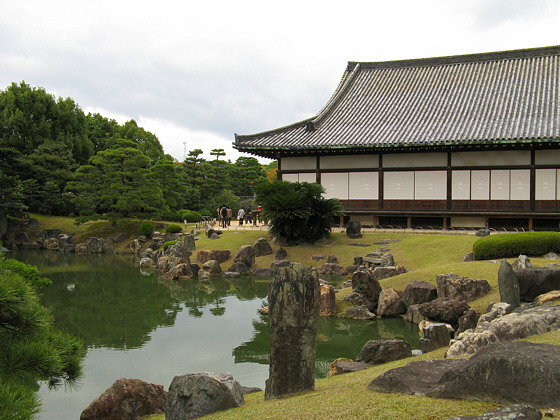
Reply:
x=224, y=216
x=244, y=215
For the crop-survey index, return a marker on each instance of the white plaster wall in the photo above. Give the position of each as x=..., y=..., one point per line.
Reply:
x=363, y=185
x=307, y=177
x=298, y=163
x=546, y=184
x=430, y=185
x=480, y=185
x=499, y=184
x=349, y=162
x=520, y=185
x=290, y=177
x=398, y=185
x=547, y=157
x=461, y=185
x=335, y=184
x=414, y=160
x=491, y=158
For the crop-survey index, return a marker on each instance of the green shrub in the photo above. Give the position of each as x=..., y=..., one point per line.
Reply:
x=508, y=245
x=168, y=244
x=173, y=229
x=172, y=216
x=205, y=213
x=190, y=216
x=146, y=229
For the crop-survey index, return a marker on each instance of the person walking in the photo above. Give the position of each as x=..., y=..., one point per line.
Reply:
x=229, y=215
x=240, y=216
x=248, y=215
x=223, y=214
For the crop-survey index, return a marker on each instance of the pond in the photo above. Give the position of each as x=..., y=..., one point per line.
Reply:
x=137, y=327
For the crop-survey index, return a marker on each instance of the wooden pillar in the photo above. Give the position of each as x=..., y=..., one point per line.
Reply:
x=408, y=221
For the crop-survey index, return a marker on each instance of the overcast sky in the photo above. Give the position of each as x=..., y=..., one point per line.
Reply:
x=198, y=72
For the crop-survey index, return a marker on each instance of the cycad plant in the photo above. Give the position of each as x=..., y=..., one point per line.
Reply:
x=297, y=212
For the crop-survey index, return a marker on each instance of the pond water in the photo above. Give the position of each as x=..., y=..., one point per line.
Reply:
x=137, y=327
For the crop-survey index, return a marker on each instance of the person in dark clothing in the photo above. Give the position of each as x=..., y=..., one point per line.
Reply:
x=223, y=213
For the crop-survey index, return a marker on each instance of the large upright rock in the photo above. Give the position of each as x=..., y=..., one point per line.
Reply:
x=354, y=229
x=246, y=255
x=293, y=298
x=452, y=286
x=262, y=247
x=220, y=255
x=390, y=303
x=418, y=292
x=127, y=399
x=444, y=310
x=198, y=394
x=508, y=285
x=536, y=281
x=328, y=301
x=376, y=352
x=367, y=286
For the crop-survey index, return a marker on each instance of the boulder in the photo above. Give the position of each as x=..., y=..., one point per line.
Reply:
x=95, y=245
x=467, y=322
x=246, y=255
x=550, y=256
x=332, y=369
x=80, y=248
x=189, y=241
x=327, y=304
x=506, y=373
x=482, y=232
x=387, y=260
x=51, y=243
x=435, y=336
x=262, y=247
x=240, y=268
x=162, y=263
x=364, y=283
x=211, y=269
x=376, y=352
x=346, y=366
x=548, y=297
x=279, y=263
x=444, y=310
x=220, y=255
x=198, y=394
x=521, y=263
x=179, y=250
x=332, y=259
x=127, y=399
x=281, y=254
x=359, y=312
x=469, y=257
x=390, y=303
x=121, y=237
x=354, y=229
x=263, y=272
x=384, y=272
x=536, y=281
x=413, y=315
x=146, y=263
x=417, y=292
x=452, y=286
x=506, y=327
x=318, y=257
x=179, y=271
x=511, y=412
x=134, y=246
x=331, y=268
x=508, y=285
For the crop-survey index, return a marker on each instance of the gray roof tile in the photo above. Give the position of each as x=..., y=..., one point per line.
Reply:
x=510, y=96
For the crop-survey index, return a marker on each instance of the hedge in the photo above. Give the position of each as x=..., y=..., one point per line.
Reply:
x=168, y=244
x=190, y=216
x=506, y=245
x=173, y=229
x=146, y=229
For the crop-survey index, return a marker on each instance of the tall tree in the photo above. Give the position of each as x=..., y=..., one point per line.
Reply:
x=248, y=173
x=218, y=153
x=147, y=142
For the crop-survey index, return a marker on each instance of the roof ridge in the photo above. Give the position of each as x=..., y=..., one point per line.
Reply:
x=457, y=59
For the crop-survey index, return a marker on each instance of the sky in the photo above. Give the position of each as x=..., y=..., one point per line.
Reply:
x=196, y=72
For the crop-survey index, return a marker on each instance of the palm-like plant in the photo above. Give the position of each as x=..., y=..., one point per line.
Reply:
x=297, y=212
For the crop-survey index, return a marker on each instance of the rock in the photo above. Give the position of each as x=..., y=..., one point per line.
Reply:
x=220, y=255
x=444, y=310
x=95, y=245
x=198, y=394
x=146, y=263
x=189, y=241
x=358, y=260
x=482, y=232
x=417, y=292
x=350, y=269
x=281, y=254
x=143, y=238
x=548, y=297
x=31, y=224
x=262, y=247
x=387, y=260
x=211, y=269
x=536, y=281
x=162, y=263
x=293, y=298
x=359, y=312
x=511, y=326
x=332, y=259
x=508, y=285
x=385, y=272
x=467, y=321
x=354, y=229
x=435, y=336
x=366, y=285
x=134, y=246
x=331, y=268
x=51, y=244
x=180, y=251
x=121, y=237
x=468, y=257
x=550, y=256
x=212, y=233
x=512, y=412
x=179, y=271
x=413, y=315
x=195, y=268
x=246, y=255
x=279, y=263
x=376, y=352
x=250, y=389
x=239, y=268
x=521, y=263
x=348, y=366
x=327, y=305
x=49, y=233
x=332, y=369
x=506, y=373
x=318, y=257
x=127, y=399
x=452, y=286
x=390, y=303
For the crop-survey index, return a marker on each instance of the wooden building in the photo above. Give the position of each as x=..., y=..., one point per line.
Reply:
x=461, y=141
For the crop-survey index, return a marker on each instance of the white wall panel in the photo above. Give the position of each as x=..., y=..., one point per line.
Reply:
x=290, y=177
x=335, y=184
x=430, y=185
x=520, y=184
x=491, y=158
x=545, y=184
x=414, y=160
x=349, y=162
x=398, y=185
x=480, y=185
x=461, y=185
x=307, y=177
x=298, y=163
x=499, y=184
x=363, y=185
x=547, y=157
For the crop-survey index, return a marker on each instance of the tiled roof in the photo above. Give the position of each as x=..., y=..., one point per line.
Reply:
x=502, y=97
